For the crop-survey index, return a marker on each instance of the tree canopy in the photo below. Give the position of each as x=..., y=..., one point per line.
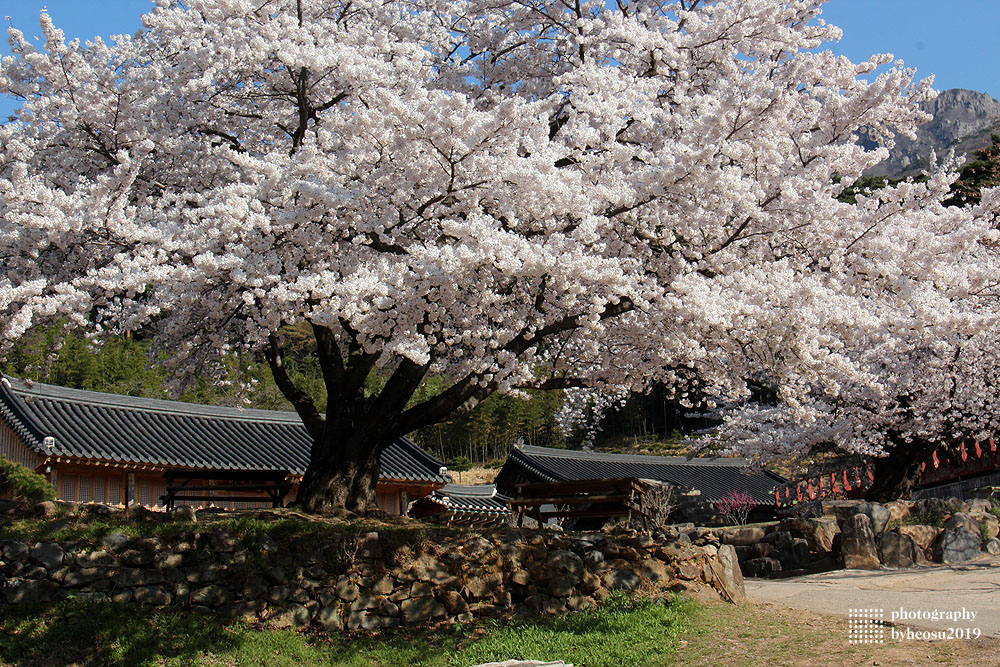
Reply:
x=503, y=195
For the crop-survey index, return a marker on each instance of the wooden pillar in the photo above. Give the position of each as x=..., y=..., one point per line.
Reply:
x=130, y=490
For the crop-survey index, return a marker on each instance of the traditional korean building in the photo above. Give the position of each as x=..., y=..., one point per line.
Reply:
x=106, y=448
x=464, y=504
x=706, y=479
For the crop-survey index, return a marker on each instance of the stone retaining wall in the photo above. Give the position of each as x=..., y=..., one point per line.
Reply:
x=368, y=581
x=861, y=535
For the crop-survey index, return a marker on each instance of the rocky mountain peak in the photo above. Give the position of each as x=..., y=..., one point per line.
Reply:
x=963, y=121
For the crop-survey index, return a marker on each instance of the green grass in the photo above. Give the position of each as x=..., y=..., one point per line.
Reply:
x=90, y=528
x=84, y=529
x=624, y=631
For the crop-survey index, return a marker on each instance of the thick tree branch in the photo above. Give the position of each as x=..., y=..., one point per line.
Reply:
x=471, y=387
x=399, y=389
x=331, y=362
x=300, y=400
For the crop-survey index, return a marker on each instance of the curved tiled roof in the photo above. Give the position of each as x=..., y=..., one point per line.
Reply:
x=472, y=498
x=128, y=429
x=713, y=477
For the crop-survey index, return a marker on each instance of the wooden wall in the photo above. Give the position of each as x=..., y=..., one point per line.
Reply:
x=90, y=484
x=107, y=484
x=12, y=448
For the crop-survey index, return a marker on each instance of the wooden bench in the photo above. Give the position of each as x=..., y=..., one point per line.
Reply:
x=226, y=486
x=615, y=497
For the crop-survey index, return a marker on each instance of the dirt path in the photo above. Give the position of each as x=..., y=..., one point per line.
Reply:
x=972, y=587
x=766, y=635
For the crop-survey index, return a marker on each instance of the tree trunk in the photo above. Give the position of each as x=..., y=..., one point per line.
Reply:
x=897, y=474
x=342, y=473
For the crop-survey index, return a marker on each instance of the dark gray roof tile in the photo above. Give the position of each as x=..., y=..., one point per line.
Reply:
x=714, y=477
x=94, y=425
x=473, y=498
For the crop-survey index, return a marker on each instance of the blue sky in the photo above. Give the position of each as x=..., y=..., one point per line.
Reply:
x=957, y=41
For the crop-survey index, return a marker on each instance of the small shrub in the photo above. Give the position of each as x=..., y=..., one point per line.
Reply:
x=736, y=506
x=494, y=464
x=984, y=530
x=659, y=502
x=20, y=483
x=459, y=464
x=935, y=519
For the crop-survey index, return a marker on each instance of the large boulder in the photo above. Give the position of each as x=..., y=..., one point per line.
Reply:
x=760, y=567
x=824, y=564
x=795, y=556
x=838, y=509
x=563, y=560
x=428, y=568
x=12, y=550
x=924, y=537
x=727, y=574
x=857, y=544
x=992, y=547
x=958, y=545
x=625, y=579
x=760, y=550
x=897, y=550
x=980, y=505
x=899, y=510
x=988, y=523
x=781, y=539
x=743, y=536
x=938, y=506
x=818, y=533
x=962, y=520
x=878, y=514
x=27, y=591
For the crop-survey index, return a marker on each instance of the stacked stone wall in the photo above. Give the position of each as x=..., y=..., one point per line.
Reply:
x=368, y=581
x=859, y=535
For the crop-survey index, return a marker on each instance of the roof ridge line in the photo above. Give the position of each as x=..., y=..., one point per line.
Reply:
x=42, y=390
x=18, y=417
x=578, y=454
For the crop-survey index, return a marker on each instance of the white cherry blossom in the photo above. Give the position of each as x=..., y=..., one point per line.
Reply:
x=502, y=194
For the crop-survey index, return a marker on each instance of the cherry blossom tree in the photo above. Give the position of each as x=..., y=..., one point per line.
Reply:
x=925, y=370
x=503, y=194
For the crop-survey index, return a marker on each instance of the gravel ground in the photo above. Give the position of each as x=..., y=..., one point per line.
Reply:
x=972, y=587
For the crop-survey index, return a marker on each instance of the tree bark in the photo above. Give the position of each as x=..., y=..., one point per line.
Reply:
x=897, y=474
x=343, y=471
